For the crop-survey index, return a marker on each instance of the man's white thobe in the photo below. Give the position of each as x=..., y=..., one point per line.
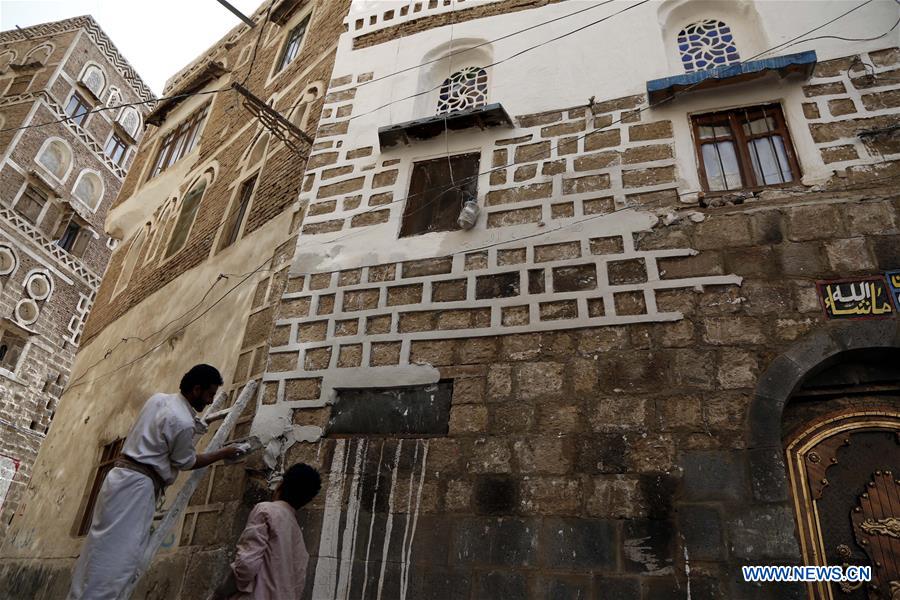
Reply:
x=161, y=438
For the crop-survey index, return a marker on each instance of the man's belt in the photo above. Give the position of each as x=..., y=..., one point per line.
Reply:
x=126, y=462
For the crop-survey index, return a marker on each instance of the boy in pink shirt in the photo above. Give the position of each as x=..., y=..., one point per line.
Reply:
x=271, y=558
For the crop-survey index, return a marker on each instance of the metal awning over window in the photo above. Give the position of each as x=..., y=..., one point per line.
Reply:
x=489, y=115
x=659, y=90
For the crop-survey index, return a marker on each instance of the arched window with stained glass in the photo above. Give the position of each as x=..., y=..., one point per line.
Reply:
x=94, y=79
x=707, y=44
x=467, y=88
x=130, y=120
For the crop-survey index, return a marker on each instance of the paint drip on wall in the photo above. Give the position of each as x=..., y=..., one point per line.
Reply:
x=372, y=505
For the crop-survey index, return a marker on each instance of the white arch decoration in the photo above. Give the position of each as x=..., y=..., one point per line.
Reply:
x=39, y=54
x=93, y=78
x=55, y=156
x=130, y=120
x=89, y=188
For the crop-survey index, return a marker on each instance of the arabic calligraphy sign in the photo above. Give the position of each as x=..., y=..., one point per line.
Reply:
x=863, y=298
x=893, y=278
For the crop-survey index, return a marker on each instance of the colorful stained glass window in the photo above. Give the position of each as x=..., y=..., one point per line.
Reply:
x=467, y=88
x=707, y=44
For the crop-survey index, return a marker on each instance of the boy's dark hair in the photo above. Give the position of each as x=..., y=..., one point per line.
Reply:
x=300, y=484
x=202, y=375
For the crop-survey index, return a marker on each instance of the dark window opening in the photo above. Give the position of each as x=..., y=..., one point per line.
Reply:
x=116, y=148
x=67, y=241
x=744, y=148
x=292, y=45
x=78, y=109
x=437, y=191
x=11, y=348
x=185, y=221
x=107, y=458
x=235, y=218
x=411, y=410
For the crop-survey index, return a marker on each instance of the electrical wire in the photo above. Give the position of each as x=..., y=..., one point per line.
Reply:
x=466, y=180
x=155, y=100
x=117, y=107
x=794, y=41
x=228, y=292
x=487, y=43
x=789, y=193
x=847, y=39
x=469, y=250
x=511, y=57
x=262, y=26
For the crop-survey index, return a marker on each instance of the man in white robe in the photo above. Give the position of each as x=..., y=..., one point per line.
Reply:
x=158, y=446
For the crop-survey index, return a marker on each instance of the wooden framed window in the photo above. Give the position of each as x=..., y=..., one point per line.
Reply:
x=235, y=217
x=78, y=109
x=292, y=45
x=744, y=148
x=189, y=207
x=31, y=203
x=116, y=148
x=437, y=191
x=108, y=456
x=179, y=141
x=11, y=347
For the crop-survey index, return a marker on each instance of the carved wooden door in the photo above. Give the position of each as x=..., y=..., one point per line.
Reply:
x=845, y=477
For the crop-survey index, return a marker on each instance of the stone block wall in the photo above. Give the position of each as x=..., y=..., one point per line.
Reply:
x=603, y=370
x=593, y=459
x=226, y=139
x=30, y=393
x=852, y=108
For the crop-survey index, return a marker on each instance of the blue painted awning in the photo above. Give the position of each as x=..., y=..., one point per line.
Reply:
x=659, y=90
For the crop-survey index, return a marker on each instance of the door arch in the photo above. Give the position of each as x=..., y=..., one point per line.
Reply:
x=800, y=414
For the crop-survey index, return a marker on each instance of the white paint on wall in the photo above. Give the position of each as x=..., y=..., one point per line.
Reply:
x=389, y=526
x=326, y=567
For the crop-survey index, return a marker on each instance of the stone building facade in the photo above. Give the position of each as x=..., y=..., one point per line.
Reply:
x=660, y=343
x=58, y=179
x=205, y=215
x=631, y=375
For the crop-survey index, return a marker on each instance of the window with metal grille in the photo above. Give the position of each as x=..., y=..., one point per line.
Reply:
x=467, y=88
x=235, y=217
x=179, y=141
x=108, y=456
x=116, y=148
x=78, y=109
x=437, y=191
x=292, y=45
x=707, y=44
x=31, y=203
x=744, y=148
x=11, y=347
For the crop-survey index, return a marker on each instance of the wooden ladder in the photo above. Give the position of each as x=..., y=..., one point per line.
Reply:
x=213, y=413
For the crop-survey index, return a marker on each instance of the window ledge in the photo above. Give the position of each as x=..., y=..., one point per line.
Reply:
x=6, y=374
x=123, y=133
x=489, y=115
x=662, y=90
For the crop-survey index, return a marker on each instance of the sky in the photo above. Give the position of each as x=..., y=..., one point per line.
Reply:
x=158, y=37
